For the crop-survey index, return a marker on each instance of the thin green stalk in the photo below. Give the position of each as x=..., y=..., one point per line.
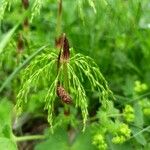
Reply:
x=29, y=138
x=20, y=67
x=66, y=81
x=59, y=19
x=65, y=72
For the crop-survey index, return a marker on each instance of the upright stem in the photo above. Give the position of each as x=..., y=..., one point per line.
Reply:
x=66, y=83
x=59, y=40
x=59, y=18
x=65, y=72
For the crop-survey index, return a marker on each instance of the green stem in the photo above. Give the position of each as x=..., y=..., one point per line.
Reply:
x=66, y=84
x=29, y=138
x=59, y=18
x=65, y=72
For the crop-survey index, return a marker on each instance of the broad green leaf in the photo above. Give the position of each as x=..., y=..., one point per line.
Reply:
x=84, y=141
x=55, y=141
x=7, y=131
x=139, y=138
x=5, y=116
x=124, y=146
x=60, y=140
x=138, y=122
x=138, y=115
x=7, y=144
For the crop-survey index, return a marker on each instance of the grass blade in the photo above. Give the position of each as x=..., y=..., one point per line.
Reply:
x=6, y=38
x=18, y=69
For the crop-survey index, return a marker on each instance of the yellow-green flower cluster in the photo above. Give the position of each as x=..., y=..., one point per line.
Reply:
x=123, y=134
x=145, y=103
x=100, y=142
x=146, y=111
x=128, y=113
x=140, y=87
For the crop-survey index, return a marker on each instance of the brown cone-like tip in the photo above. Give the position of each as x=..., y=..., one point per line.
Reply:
x=63, y=95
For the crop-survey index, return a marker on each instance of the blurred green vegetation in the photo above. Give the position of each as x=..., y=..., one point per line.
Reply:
x=116, y=34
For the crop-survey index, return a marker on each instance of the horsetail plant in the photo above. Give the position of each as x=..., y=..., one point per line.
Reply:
x=66, y=83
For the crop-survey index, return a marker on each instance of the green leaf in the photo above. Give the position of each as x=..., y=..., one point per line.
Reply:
x=6, y=134
x=84, y=141
x=55, y=141
x=138, y=122
x=6, y=38
x=123, y=146
x=139, y=138
x=138, y=115
x=6, y=144
x=60, y=140
x=5, y=117
x=7, y=131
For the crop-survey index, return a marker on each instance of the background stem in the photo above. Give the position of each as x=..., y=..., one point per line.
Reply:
x=29, y=138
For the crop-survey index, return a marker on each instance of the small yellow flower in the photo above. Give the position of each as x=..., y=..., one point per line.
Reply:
x=128, y=113
x=140, y=87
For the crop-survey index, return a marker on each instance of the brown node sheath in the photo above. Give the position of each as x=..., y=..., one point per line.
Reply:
x=63, y=95
x=66, y=52
x=63, y=43
x=25, y=4
x=26, y=23
x=20, y=43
